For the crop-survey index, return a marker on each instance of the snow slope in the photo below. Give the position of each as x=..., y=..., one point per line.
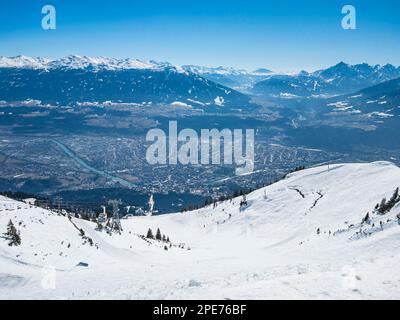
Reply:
x=269, y=249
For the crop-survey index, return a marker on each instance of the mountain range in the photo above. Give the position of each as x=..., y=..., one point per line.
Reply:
x=238, y=79
x=337, y=80
x=81, y=79
x=378, y=102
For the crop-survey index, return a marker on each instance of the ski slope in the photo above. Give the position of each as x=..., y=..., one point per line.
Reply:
x=300, y=238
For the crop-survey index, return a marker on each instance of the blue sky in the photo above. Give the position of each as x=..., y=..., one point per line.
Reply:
x=284, y=35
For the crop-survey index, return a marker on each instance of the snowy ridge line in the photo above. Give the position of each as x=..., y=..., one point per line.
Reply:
x=84, y=62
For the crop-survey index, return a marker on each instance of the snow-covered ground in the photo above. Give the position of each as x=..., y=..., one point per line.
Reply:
x=297, y=239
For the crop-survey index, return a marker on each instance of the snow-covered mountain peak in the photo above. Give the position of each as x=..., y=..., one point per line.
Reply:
x=262, y=71
x=225, y=71
x=238, y=79
x=23, y=62
x=342, y=78
x=84, y=62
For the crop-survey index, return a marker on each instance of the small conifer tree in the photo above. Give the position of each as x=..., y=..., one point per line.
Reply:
x=158, y=234
x=149, y=234
x=12, y=235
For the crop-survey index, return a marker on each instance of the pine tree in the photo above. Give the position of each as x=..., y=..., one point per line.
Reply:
x=12, y=235
x=149, y=234
x=366, y=219
x=394, y=199
x=382, y=206
x=158, y=234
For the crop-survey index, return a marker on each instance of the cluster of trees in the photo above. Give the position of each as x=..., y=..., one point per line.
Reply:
x=81, y=210
x=158, y=236
x=385, y=206
x=87, y=211
x=214, y=202
x=12, y=235
x=82, y=233
x=243, y=202
x=81, y=214
x=19, y=196
x=237, y=193
x=299, y=168
x=84, y=237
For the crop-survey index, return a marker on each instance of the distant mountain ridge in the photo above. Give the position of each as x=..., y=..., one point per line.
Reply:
x=381, y=101
x=81, y=79
x=239, y=79
x=337, y=80
x=83, y=62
